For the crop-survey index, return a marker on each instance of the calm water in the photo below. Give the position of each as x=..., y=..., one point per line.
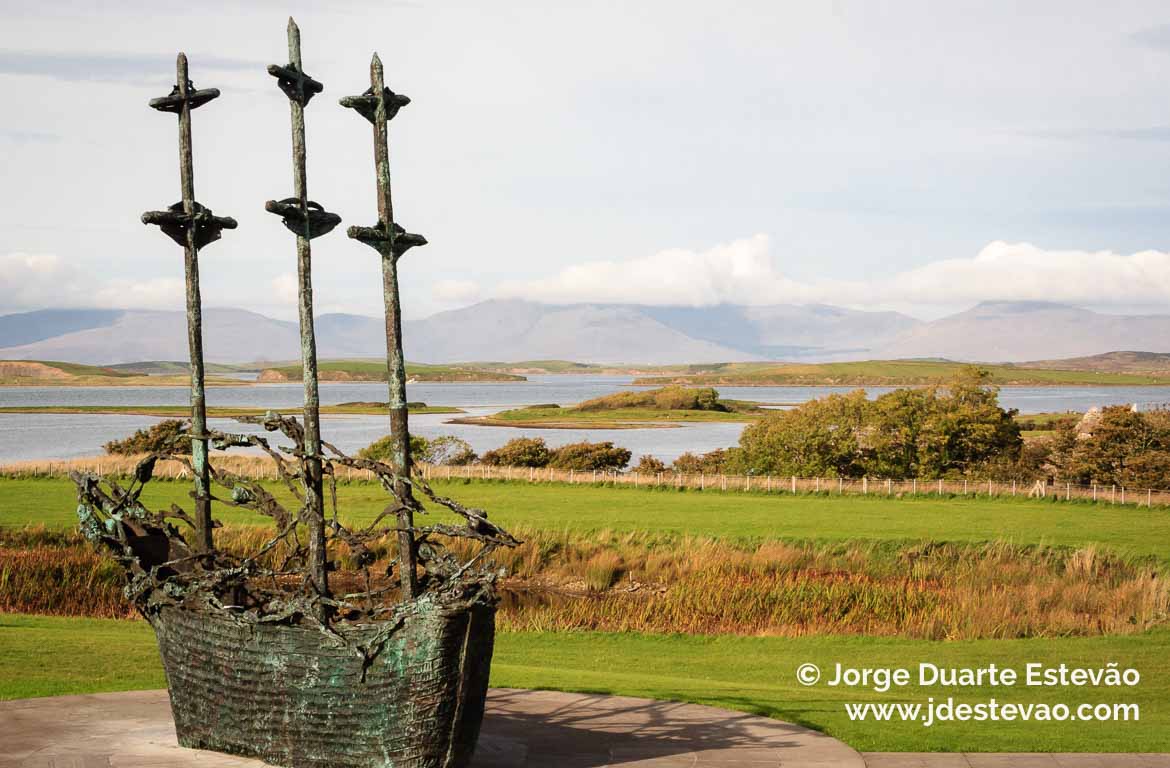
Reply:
x=45, y=436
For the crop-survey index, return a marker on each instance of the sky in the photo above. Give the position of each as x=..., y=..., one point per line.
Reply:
x=918, y=156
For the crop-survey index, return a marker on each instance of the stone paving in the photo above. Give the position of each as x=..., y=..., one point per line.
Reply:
x=1012, y=760
x=522, y=729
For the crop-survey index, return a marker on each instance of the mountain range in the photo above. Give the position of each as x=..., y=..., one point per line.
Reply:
x=511, y=330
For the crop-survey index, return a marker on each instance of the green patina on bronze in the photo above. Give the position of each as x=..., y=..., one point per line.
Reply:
x=192, y=226
x=308, y=220
x=378, y=105
x=328, y=646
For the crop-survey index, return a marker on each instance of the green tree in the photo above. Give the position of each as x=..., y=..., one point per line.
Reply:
x=928, y=433
x=820, y=437
x=965, y=427
x=1122, y=447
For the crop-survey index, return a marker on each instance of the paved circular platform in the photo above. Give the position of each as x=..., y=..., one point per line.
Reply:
x=533, y=729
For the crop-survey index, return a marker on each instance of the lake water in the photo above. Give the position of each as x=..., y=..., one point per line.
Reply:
x=53, y=436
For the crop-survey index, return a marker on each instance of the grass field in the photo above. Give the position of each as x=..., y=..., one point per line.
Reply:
x=42, y=656
x=45, y=656
x=183, y=411
x=1127, y=530
x=888, y=373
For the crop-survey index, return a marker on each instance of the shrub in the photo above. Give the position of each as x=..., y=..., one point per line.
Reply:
x=449, y=450
x=712, y=463
x=166, y=435
x=648, y=465
x=589, y=456
x=672, y=398
x=687, y=399
x=519, y=452
x=379, y=450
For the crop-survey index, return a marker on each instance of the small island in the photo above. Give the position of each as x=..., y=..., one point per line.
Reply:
x=663, y=407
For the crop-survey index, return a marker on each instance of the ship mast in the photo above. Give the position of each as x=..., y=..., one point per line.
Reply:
x=307, y=220
x=379, y=105
x=192, y=226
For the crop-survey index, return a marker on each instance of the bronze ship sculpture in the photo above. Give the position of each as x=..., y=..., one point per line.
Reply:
x=332, y=644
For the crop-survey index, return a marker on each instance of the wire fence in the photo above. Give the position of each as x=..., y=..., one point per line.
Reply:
x=261, y=468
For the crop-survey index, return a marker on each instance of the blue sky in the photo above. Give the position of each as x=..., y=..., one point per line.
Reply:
x=919, y=156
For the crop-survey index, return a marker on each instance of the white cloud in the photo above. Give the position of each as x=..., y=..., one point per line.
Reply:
x=38, y=280
x=455, y=291
x=737, y=272
x=284, y=288
x=744, y=272
x=1024, y=272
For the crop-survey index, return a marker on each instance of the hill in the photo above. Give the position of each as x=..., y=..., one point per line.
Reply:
x=596, y=334
x=375, y=370
x=1021, y=331
x=41, y=373
x=892, y=373
x=1157, y=363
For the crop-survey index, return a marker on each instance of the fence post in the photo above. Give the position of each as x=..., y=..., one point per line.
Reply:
x=794, y=483
x=840, y=486
x=747, y=483
x=702, y=481
x=723, y=482
x=1094, y=491
x=865, y=485
x=818, y=484
x=1013, y=487
x=1113, y=494
x=1123, y=495
x=1149, y=498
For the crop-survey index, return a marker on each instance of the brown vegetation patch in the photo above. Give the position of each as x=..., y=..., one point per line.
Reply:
x=645, y=583
x=30, y=370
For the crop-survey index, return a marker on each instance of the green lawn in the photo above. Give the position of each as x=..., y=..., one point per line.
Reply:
x=1127, y=530
x=43, y=656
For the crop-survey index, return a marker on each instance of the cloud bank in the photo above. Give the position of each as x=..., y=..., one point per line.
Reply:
x=35, y=281
x=744, y=272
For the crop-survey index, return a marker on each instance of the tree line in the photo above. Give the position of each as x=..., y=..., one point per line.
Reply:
x=948, y=431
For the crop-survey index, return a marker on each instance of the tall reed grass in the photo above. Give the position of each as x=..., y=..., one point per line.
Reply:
x=654, y=583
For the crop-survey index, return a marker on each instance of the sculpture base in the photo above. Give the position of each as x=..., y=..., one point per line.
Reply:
x=296, y=696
